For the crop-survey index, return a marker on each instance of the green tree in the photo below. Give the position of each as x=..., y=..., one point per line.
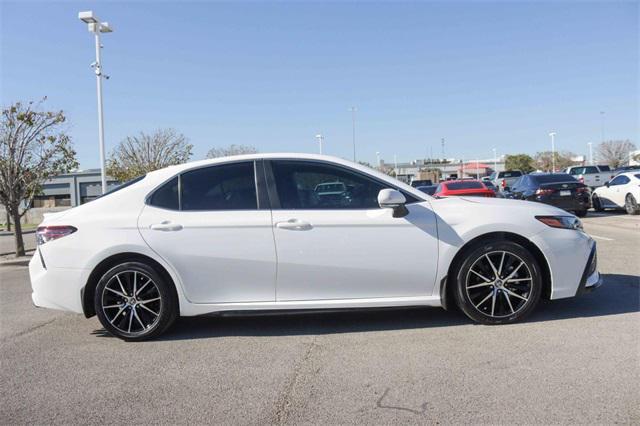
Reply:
x=144, y=153
x=33, y=148
x=522, y=162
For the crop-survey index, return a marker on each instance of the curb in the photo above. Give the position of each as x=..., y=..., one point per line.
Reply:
x=6, y=233
x=22, y=261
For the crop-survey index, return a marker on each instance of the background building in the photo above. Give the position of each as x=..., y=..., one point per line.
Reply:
x=72, y=189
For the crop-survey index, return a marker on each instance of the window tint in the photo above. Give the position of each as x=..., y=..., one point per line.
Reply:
x=619, y=180
x=310, y=185
x=559, y=177
x=604, y=168
x=637, y=176
x=464, y=185
x=166, y=196
x=223, y=187
x=590, y=169
x=510, y=174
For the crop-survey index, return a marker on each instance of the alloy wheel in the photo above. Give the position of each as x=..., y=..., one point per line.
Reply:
x=499, y=284
x=131, y=302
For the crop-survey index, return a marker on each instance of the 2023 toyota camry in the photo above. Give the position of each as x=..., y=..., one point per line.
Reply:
x=296, y=231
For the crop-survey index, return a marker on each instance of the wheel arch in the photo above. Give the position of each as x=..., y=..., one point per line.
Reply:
x=88, y=291
x=446, y=294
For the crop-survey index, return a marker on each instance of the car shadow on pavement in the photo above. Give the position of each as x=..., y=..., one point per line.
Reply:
x=619, y=294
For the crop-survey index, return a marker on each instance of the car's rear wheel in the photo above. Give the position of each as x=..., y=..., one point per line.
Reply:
x=631, y=205
x=135, y=302
x=597, y=204
x=498, y=282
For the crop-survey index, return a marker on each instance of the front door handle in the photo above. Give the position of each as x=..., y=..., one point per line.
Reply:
x=294, y=225
x=166, y=226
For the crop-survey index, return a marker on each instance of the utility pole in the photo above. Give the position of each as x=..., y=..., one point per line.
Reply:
x=353, y=129
x=495, y=160
x=378, y=159
x=590, y=153
x=442, y=141
x=601, y=126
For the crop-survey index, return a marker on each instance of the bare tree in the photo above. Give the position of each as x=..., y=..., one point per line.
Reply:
x=615, y=153
x=33, y=148
x=231, y=150
x=544, y=160
x=144, y=153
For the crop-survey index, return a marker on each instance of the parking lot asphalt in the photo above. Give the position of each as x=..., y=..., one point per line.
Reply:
x=573, y=361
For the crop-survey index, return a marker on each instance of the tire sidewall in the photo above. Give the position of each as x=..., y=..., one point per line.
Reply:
x=479, y=250
x=168, y=311
x=628, y=205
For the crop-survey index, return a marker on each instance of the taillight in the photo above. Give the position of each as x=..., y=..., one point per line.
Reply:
x=581, y=179
x=544, y=191
x=503, y=184
x=44, y=234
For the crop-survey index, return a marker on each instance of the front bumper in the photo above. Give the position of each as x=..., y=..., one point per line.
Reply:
x=591, y=278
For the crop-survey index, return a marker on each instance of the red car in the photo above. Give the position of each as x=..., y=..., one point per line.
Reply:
x=463, y=187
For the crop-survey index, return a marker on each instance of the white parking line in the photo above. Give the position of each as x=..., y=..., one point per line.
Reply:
x=602, y=238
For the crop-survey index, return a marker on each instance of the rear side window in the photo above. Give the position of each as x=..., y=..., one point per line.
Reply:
x=510, y=174
x=464, y=185
x=166, y=197
x=222, y=187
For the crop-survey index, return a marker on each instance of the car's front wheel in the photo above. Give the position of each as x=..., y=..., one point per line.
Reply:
x=135, y=302
x=498, y=282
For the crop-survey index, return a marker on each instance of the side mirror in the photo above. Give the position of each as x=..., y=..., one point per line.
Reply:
x=393, y=199
x=607, y=184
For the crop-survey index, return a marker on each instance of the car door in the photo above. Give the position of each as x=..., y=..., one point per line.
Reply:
x=213, y=226
x=342, y=245
x=617, y=189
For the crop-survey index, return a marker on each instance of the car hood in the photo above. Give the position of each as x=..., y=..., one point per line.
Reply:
x=469, y=204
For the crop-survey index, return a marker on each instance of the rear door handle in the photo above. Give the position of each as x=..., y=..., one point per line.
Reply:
x=166, y=226
x=294, y=225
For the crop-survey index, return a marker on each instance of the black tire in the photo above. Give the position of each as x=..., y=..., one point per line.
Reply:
x=597, y=205
x=469, y=293
x=631, y=205
x=581, y=213
x=116, y=313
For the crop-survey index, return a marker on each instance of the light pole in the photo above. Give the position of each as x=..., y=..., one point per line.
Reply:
x=96, y=27
x=320, y=139
x=495, y=160
x=552, y=135
x=601, y=126
x=378, y=159
x=353, y=128
x=590, y=153
x=395, y=162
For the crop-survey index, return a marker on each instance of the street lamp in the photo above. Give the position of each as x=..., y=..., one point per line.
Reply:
x=552, y=135
x=320, y=139
x=590, y=153
x=378, y=159
x=495, y=160
x=353, y=128
x=96, y=27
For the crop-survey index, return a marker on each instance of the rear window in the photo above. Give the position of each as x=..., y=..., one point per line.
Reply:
x=511, y=174
x=560, y=177
x=464, y=185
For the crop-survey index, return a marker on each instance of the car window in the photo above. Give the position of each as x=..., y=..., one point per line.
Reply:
x=604, y=168
x=492, y=176
x=223, y=187
x=464, y=185
x=637, y=176
x=166, y=196
x=510, y=174
x=576, y=170
x=553, y=178
x=590, y=169
x=619, y=180
x=308, y=185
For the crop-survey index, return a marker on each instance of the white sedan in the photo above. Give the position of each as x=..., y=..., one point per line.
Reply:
x=621, y=192
x=251, y=233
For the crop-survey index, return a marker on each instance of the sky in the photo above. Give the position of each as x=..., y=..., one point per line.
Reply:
x=273, y=75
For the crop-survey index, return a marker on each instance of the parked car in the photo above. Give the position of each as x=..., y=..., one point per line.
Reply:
x=421, y=182
x=591, y=176
x=557, y=189
x=430, y=189
x=504, y=180
x=245, y=233
x=473, y=188
x=625, y=169
x=622, y=192
x=492, y=187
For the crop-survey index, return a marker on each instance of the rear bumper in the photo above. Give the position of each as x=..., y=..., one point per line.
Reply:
x=572, y=204
x=56, y=288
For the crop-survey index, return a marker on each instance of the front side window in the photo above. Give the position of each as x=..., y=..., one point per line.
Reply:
x=223, y=187
x=309, y=185
x=619, y=180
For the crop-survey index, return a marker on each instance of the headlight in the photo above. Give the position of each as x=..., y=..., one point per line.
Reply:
x=564, y=222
